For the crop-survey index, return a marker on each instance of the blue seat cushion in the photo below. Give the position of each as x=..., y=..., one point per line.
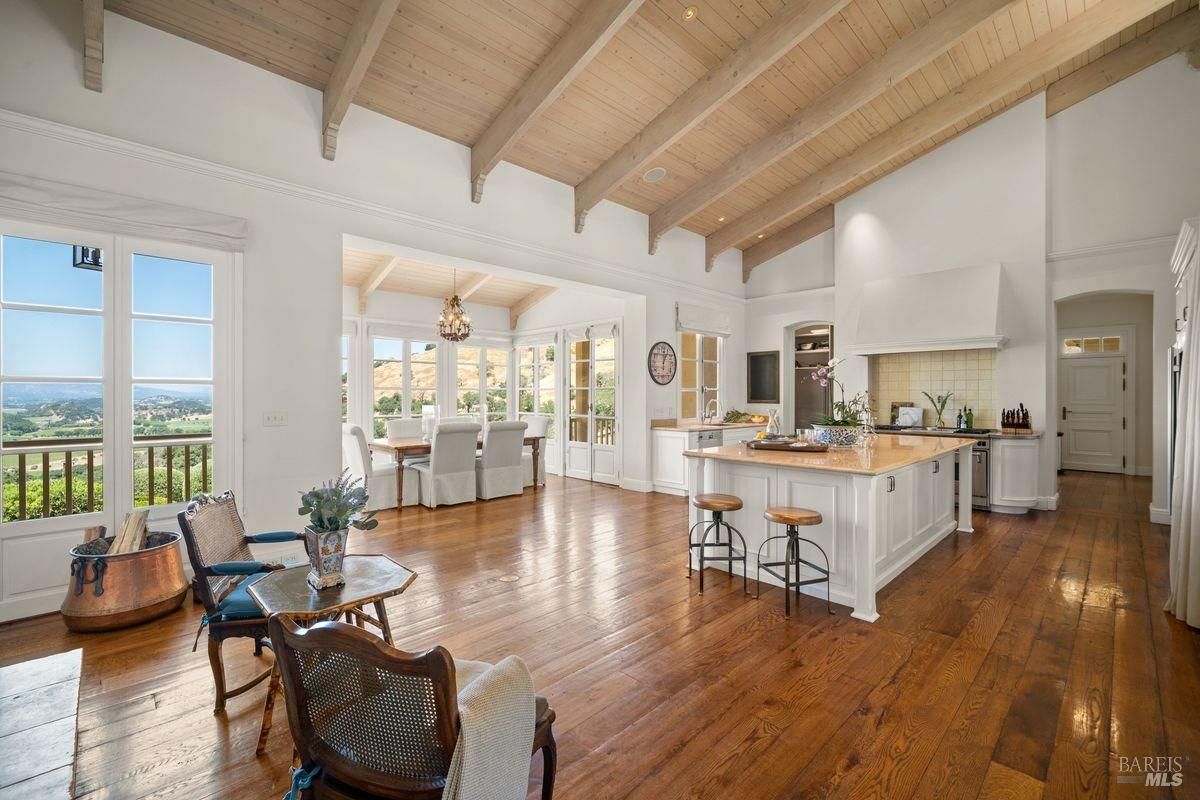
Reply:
x=274, y=536
x=237, y=567
x=238, y=604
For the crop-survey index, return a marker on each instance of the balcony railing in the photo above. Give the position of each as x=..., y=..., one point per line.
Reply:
x=166, y=469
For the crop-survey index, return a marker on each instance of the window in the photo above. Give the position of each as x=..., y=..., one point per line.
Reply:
x=111, y=356
x=52, y=336
x=699, y=364
x=172, y=380
x=404, y=378
x=1091, y=344
x=481, y=380
x=536, y=387
x=345, y=378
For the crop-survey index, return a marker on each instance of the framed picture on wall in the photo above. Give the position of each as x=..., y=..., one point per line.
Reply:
x=762, y=377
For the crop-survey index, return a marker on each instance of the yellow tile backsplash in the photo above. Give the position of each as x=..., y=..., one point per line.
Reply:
x=901, y=377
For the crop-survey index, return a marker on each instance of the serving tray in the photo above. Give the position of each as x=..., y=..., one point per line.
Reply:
x=790, y=446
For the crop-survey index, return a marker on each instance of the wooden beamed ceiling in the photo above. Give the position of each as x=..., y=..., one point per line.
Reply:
x=762, y=113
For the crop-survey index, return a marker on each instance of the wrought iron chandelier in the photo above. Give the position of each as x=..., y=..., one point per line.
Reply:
x=453, y=323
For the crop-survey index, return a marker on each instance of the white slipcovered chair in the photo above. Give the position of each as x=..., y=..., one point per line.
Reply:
x=377, y=473
x=449, y=475
x=539, y=425
x=498, y=471
x=407, y=429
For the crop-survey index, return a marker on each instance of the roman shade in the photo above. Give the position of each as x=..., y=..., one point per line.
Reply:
x=700, y=319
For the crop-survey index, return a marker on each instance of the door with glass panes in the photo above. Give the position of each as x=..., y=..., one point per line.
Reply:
x=592, y=443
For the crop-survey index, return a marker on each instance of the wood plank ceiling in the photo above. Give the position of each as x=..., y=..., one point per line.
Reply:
x=452, y=67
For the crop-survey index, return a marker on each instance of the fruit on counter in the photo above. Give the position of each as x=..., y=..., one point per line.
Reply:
x=761, y=435
x=733, y=415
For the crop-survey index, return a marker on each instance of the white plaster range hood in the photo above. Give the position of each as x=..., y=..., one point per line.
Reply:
x=954, y=309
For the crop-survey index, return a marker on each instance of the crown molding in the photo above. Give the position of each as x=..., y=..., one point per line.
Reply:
x=166, y=158
x=929, y=345
x=1092, y=251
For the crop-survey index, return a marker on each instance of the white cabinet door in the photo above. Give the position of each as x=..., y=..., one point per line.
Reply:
x=899, y=511
x=1014, y=473
x=923, y=479
x=669, y=467
x=943, y=489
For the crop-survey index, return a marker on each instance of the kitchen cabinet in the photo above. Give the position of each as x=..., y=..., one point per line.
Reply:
x=668, y=468
x=915, y=504
x=1014, y=475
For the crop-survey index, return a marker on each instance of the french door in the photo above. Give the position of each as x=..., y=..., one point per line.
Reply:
x=593, y=398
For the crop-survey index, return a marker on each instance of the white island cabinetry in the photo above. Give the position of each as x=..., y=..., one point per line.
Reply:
x=668, y=467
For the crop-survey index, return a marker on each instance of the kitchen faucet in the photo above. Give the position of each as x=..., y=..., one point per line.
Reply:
x=716, y=410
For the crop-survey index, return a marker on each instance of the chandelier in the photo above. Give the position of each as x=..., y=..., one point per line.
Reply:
x=453, y=323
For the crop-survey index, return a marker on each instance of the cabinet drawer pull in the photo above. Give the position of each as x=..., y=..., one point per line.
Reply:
x=937, y=467
x=1185, y=310
x=891, y=483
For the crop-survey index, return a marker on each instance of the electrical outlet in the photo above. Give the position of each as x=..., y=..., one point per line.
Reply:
x=274, y=419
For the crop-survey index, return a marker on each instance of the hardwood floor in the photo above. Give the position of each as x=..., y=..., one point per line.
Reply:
x=1018, y=661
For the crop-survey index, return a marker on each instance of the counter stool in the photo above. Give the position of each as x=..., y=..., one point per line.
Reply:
x=718, y=504
x=793, y=518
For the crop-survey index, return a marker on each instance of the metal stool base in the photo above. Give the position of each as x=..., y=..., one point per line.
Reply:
x=731, y=554
x=792, y=559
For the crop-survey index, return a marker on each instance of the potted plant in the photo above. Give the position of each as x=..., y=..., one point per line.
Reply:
x=939, y=406
x=847, y=425
x=333, y=509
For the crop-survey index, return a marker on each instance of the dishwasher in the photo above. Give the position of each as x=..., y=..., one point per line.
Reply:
x=981, y=495
x=709, y=439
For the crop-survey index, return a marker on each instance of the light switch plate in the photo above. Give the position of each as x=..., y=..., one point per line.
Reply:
x=274, y=419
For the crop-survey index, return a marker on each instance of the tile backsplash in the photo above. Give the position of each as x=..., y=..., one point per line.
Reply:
x=969, y=374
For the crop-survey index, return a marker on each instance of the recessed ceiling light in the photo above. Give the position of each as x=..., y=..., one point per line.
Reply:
x=654, y=175
x=720, y=219
x=761, y=235
x=690, y=13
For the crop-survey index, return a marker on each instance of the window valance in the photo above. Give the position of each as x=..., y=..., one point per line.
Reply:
x=699, y=319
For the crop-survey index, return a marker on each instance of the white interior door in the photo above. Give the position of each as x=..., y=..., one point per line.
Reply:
x=591, y=447
x=1091, y=393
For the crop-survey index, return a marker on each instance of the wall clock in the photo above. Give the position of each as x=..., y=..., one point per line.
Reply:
x=662, y=363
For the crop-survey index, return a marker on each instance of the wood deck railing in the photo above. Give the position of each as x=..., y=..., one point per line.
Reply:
x=41, y=464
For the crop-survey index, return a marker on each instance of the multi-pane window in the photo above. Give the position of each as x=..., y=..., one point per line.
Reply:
x=699, y=363
x=481, y=381
x=52, y=365
x=422, y=375
x=172, y=379
x=604, y=398
x=1091, y=344
x=536, y=389
x=404, y=378
x=345, y=378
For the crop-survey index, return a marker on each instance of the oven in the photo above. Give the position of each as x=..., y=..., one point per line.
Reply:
x=981, y=492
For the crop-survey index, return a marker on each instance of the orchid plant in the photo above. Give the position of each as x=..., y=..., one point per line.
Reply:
x=855, y=411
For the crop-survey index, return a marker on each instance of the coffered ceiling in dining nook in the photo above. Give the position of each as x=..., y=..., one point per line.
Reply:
x=762, y=113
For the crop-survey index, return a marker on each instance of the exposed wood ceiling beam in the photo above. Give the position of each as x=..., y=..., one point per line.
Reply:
x=378, y=276
x=93, y=44
x=599, y=22
x=793, y=24
x=474, y=285
x=363, y=39
x=1181, y=33
x=797, y=233
x=904, y=58
x=1071, y=38
x=527, y=302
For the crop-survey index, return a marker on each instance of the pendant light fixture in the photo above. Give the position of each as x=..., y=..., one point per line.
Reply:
x=453, y=323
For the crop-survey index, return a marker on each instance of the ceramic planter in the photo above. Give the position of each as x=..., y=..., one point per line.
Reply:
x=840, y=436
x=325, y=553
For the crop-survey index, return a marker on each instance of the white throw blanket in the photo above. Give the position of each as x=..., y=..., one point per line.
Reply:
x=495, y=738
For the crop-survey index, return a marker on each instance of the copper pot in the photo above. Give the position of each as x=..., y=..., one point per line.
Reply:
x=115, y=591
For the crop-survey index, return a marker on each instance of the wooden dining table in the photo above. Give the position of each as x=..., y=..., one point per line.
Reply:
x=406, y=447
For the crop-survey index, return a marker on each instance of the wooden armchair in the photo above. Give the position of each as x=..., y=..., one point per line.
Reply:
x=381, y=724
x=219, y=550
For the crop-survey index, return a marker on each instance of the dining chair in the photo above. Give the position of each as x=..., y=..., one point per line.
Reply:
x=377, y=474
x=371, y=722
x=412, y=428
x=449, y=476
x=539, y=426
x=498, y=472
x=218, y=548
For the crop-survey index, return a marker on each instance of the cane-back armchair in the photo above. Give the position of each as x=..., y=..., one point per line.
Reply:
x=219, y=550
x=370, y=722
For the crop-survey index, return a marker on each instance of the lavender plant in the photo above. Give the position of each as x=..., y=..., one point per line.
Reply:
x=337, y=505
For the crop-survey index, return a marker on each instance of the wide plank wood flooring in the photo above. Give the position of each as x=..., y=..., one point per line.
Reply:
x=1018, y=661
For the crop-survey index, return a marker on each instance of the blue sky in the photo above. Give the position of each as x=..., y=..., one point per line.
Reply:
x=45, y=344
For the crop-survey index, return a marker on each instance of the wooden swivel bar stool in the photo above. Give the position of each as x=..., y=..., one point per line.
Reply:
x=718, y=504
x=793, y=518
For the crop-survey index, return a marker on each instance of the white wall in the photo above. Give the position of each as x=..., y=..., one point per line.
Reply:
x=1103, y=310
x=242, y=141
x=926, y=217
x=808, y=265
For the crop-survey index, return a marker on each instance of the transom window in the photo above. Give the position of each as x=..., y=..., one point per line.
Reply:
x=699, y=365
x=1091, y=344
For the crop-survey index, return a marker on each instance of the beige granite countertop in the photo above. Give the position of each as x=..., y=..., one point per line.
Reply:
x=689, y=427
x=888, y=453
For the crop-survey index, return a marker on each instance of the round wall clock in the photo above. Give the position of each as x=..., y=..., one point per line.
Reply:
x=662, y=363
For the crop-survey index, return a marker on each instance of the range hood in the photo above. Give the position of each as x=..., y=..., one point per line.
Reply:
x=954, y=309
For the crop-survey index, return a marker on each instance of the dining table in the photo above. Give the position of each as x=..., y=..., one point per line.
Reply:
x=408, y=446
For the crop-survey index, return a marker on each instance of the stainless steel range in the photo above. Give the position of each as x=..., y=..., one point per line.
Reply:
x=981, y=454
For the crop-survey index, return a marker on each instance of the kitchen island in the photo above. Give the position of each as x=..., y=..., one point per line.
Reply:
x=883, y=506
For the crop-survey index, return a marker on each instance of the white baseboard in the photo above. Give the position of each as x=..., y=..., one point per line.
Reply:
x=675, y=490
x=1144, y=471
x=1047, y=503
x=1160, y=515
x=636, y=485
